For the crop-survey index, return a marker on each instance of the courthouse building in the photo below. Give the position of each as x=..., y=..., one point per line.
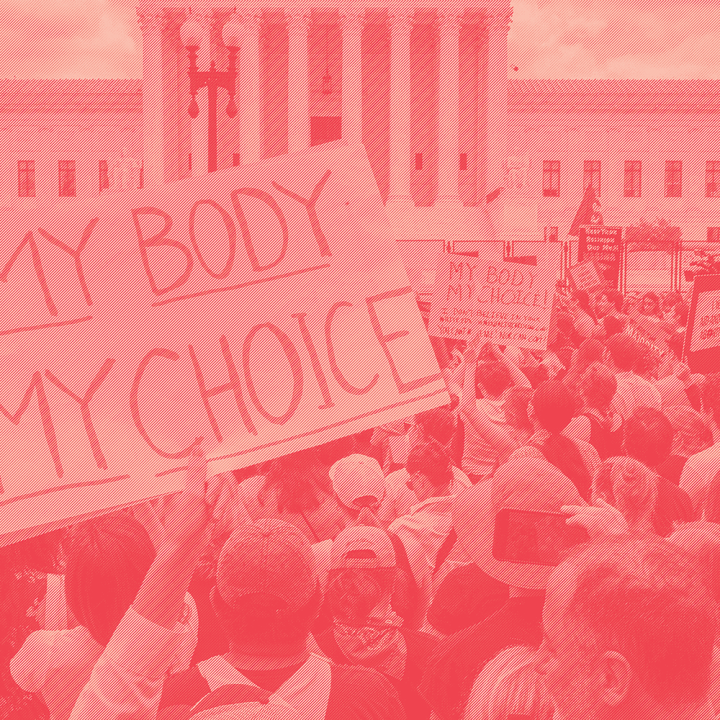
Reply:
x=461, y=154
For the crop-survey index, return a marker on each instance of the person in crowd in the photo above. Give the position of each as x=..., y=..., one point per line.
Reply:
x=701, y=467
x=296, y=489
x=107, y=561
x=267, y=596
x=711, y=505
x=633, y=391
x=515, y=409
x=669, y=302
x=551, y=410
x=628, y=628
x=691, y=435
x=509, y=687
x=630, y=487
x=647, y=364
x=650, y=305
x=365, y=630
x=609, y=303
x=437, y=425
x=393, y=443
x=532, y=484
x=488, y=441
x=24, y=570
x=589, y=352
x=584, y=315
x=597, y=423
x=425, y=531
x=648, y=437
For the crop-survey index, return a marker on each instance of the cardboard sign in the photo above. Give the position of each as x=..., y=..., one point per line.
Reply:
x=263, y=309
x=507, y=303
x=702, y=337
x=587, y=276
x=605, y=245
x=647, y=330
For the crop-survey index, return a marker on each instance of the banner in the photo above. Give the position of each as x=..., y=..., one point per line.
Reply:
x=263, y=309
x=587, y=276
x=702, y=337
x=507, y=303
x=605, y=245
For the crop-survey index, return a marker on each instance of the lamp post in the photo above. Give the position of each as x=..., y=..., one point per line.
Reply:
x=191, y=34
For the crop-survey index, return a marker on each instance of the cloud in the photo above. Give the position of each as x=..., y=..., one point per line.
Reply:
x=589, y=39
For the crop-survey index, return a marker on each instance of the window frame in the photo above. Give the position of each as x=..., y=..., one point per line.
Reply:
x=673, y=170
x=632, y=171
x=69, y=168
x=551, y=178
x=712, y=172
x=28, y=175
x=591, y=169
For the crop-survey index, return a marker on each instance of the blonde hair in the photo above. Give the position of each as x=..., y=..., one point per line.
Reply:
x=509, y=684
x=629, y=486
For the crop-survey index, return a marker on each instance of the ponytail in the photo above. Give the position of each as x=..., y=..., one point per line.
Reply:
x=562, y=452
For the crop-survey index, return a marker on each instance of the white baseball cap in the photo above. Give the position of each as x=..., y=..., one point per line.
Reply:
x=357, y=476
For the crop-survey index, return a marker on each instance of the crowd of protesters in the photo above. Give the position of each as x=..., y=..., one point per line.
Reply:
x=361, y=579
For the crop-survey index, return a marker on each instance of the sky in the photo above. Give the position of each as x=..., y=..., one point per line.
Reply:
x=548, y=39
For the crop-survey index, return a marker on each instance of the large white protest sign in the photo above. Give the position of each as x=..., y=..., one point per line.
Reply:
x=264, y=309
x=507, y=303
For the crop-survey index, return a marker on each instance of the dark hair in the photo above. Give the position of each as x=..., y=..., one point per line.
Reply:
x=711, y=395
x=648, y=436
x=711, y=509
x=671, y=299
x=655, y=299
x=437, y=424
x=107, y=561
x=554, y=407
x=681, y=310
x=647, y=361
x=299, y=480
x=624, y=351
x=598, y=386
x=330, y=452
x=583, y=300
x=645, y=599
x=612, y=326
x=516, y=403
x=493, y=376
x=258, y=620
x=352, y=593
x=431, y=459
x=613, y=296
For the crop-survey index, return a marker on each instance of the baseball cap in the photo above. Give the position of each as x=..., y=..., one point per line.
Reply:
x=357, y=476
x=362, y=547
x=269, y=557
x=523, y=484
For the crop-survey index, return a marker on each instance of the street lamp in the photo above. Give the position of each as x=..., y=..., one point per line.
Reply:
x=191, y=34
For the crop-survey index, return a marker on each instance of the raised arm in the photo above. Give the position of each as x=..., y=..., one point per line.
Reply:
x=518, y=377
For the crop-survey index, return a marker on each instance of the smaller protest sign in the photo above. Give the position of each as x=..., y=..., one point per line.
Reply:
x=506, y=303
x=605, y=245
x=648, y=330
x=587, y=276
x=702, y=338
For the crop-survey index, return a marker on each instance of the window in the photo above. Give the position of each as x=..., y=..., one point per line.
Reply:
x=104, y=179
x=418, y=161
x=633, y=178
x=66, y=172
x=712, y=178
x=26, y=178
x=463, y=161
x=673, y=178
x=325, y=129
x=551, y=234
x=551, y=178
x=591, y=175
x=713, y=235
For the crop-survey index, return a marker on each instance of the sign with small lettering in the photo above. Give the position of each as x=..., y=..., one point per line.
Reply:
x=605, y=245
x=702, y=337
x=262, y=309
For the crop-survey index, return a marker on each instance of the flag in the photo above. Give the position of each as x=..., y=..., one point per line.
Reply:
x=585, y=211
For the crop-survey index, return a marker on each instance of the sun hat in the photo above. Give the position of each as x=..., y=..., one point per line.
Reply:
x=362, y=546
x=521, y=484
x=269, y=557
x=357, y=476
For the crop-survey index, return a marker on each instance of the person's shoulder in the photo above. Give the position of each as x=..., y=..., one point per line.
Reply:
x=360, y=693
x=184, y=688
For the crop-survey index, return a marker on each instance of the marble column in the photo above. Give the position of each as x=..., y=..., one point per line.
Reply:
x=152, y=22
x=352, y=22
x=498, y=25
x=249, y=78
x=199, y=125
x=298, y=20
x=401, y=25
x=449, y=21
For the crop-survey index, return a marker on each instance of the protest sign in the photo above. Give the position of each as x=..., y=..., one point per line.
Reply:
x=702, y=337
x=648, y=330
x=263, y=309
x=507, y=303
x=587, y=276
x=605, y=245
